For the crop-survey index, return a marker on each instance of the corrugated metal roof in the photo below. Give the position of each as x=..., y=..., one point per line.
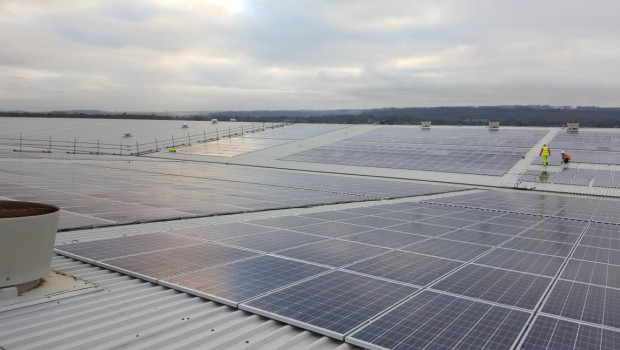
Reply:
x=132, y=314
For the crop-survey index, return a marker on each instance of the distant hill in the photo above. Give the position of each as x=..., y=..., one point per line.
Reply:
x=542, y=115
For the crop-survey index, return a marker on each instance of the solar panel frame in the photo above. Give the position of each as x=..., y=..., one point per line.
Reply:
x=286, y=304
x=464, y=323
x=233, y=283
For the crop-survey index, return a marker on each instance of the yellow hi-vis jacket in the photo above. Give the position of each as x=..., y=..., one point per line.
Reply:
x=544, y=151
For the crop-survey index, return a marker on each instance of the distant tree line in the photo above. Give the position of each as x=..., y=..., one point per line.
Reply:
x=506, y=115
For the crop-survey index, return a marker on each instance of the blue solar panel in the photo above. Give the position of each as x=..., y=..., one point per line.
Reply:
x=332, y=229
x=236, y=282
x=334, y=253
x=500, y=286
x=385, y=238
x=539, y=246
x=448, y=249
x=590, y=272
x=406, y=267
x=273, y=241
x=419, y=228
x=161, y=264
x=584, y=302
x=522, y=261
x=477, y=237
x=331, y=304
x=552, y=333
x=436, y=321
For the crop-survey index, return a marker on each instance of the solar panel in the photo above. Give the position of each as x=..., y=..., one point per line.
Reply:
x=385, y=238
x=448, y=249
x=239, y=281
x=492, y=161
x=122, y=246
x=539, y=246
x=332, y=304
x=601, y=255
x=334, y=253
x=273, y=241
x=522, y=261
x=222, y=231
x=553, y=236
x=335, y=215
x=497, y=228
x=422, y=229
x=500, y=286
x=594, y=273
x=332, y=229
x=477, y=237
x=449, y=222
x=552, y=333
x=432, y=320
x=285, y=222
x=406, y=267
x=373, y=221
x=584, y=302
x=161, y=264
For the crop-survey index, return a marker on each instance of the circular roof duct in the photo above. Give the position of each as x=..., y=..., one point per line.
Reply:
x=27, y=236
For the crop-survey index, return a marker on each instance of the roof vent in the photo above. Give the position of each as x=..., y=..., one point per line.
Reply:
x=233, y=119
x=184, y=126
x=573, y=126
x=213, y=121
x=27, y=235
x=426, y=123
x=493, y=125
x=127, y=134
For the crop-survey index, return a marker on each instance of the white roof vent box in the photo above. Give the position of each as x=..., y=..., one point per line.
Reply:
x=127, y=134
x=27, y=236
x=493, y=125
x=572, y=126
x=426, y=124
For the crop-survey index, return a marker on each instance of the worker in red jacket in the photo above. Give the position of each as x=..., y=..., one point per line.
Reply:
x=566, y=157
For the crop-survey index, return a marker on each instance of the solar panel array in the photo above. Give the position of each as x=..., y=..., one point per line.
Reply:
x=574, y=176
x=234, y=146
x=581, y=156
x=473, y=272
x=453, y=136
x=468, y=160
x=587, y=140
x=99, y=196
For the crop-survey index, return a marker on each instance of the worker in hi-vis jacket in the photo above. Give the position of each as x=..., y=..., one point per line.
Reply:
x=545, y=153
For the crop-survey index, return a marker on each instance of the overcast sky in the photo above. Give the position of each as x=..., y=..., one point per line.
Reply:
x=188, y=55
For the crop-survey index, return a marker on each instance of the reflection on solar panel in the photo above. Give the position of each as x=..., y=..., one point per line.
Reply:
x=144, y=191
x=436, y=321
x=234, y=146
x=117, y=247
x=273, y=241
x=236, y=282
x=334, y=253
x=453, y=159
x=500, y=286
x=161, y=264
x=331, y=304
x=477, y=285
x=406, y=267
x=553, y=333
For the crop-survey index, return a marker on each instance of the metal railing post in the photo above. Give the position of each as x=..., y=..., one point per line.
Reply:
x=156, y=146
x=49, y=150
x=20, y=142
x=120, y=150
x=241, y=129
x=97, y=146
x=229, y=133
x=172, y=140
x=217, y=134
x=204, y=133
x=74, y=142
x=137, y=148
x=189, y=141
